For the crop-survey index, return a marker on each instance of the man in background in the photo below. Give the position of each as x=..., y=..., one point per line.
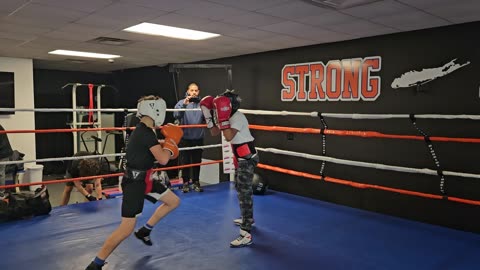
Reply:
x=191, y=137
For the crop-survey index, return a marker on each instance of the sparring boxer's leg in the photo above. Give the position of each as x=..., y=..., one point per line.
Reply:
x=244, y=175
x=132, y=206
x=245, y=194
x=156, y=191
x=239, y=187
x=121, y=233
x=170, y=202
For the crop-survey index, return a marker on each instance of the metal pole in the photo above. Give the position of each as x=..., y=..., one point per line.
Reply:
x=99, y=115
x=74, y=121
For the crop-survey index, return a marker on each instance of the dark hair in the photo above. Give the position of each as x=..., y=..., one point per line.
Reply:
x=88, y=167
x=193, y=83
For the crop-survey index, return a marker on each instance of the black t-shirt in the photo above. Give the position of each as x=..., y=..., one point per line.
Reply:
x=5, y=147
x=72, y=165
x=138, y=153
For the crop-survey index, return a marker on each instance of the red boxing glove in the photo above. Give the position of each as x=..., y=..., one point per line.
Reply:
x=222, y=111
x=170, y=131
x=206, y=104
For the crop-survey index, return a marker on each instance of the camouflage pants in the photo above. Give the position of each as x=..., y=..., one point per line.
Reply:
x=243, y=185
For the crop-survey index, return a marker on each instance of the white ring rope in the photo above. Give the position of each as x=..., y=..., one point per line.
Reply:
x=74, y=110
x=274, y=113
x=97, y=156
x=367, y=164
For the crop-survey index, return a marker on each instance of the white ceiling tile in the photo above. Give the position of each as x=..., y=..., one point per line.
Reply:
x=70, y=36
x=150, y=45
x=421, y=4
x=304, y=31
x=459, y=9
x=411, y=21
x=95, y=20
x=253, y=19
x=375, y=32
x=222, y=40
x=48, y=43
x=26, y=29
x=129, y=12
x=358, y=27
x=7, y=43
x=252, y=44
x=252, y=34
x=328, y=18
x=294, y=10
x=179, y=20
x=81, y=28
x=220, y=28
x=332, y=36
x=17, y=36
x=250, y=4
x=83, y=5
x=464, y=18
x=48, y=22
x=165, y=5
x=44, y=12
x=21, y=52
x=209, y=10
x=8, y=6
x=280, y=42
x=376, y=9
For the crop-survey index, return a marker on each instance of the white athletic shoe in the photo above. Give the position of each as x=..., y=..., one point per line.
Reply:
x=239, y=221
x=245, y=239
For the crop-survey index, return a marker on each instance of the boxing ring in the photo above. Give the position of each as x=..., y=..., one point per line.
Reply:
x=290, y=232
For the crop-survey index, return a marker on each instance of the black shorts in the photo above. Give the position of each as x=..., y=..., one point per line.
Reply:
x=134, y=196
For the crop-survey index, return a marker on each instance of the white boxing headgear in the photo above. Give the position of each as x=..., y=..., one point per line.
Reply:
x=155, y=109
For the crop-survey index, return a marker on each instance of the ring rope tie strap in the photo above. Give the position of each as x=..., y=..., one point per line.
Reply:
x=432, y=153
x=123, y=159
x=90, y=104
x=324, y=143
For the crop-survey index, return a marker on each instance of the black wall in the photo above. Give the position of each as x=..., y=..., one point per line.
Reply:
x=257, y=78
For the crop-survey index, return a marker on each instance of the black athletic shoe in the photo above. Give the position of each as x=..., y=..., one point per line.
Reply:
x=93, y=266
x=144, y=236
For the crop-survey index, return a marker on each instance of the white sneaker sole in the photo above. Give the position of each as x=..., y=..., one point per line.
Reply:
x=242, y=245
x=239, y=222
